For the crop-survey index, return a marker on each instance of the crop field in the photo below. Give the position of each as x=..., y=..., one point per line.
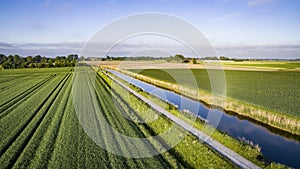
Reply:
x=265, y=64
x=277, y=91
x=39, y=126
x=249, y=152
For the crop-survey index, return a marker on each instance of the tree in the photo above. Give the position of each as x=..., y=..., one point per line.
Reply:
x=6, y=65
x=37, y=59
x=72, y=56
x=57, y=62
x=194, y=61
x=28, y=62
x=179, y=57
x=29, y=59
x=2, y=59
x=224, y=58
x=50, y=61
x=9, y=62
x=44, y=62
x=17, y=61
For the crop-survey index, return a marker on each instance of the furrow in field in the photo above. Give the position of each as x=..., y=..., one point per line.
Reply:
x=11, y=78
x=57, y=125
x=187, y=151
x=12, y=122
x=114, y=118
x=11, y=151
x=122, y=124
x=15, y=122
x=105, y=113
x=98, y=128
x=168, y=157
x=88, y=154
x=171, y=155
x=65, y=149
x=222, y=150
x=8, y=105
x=36, y=152
x=15, y=83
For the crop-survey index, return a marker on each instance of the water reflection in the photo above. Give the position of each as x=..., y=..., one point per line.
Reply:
x=274, y=146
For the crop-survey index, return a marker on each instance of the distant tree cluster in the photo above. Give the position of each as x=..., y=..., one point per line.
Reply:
x=16, y=61
x=135, y=58
x=223, y=58
x=177, y=58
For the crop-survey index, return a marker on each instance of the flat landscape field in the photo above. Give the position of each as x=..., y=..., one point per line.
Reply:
x=272, y=90
x=270, y=85
x=39, y=126
x=204, y=64
x=266, y=64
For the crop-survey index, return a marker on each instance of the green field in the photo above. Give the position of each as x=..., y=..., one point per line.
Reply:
x=265, y=64
x=39, y=127
x=271, y=90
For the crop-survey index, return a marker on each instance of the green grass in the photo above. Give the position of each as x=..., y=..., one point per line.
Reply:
x=40, y=129
x=247, y=151
x=276, y=91
x=32, y=71
x=189, y=152
x=284, y=65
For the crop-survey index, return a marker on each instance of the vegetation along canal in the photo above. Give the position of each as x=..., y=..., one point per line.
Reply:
x=274, y=146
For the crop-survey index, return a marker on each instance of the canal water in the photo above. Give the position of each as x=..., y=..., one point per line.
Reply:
x=274, y=146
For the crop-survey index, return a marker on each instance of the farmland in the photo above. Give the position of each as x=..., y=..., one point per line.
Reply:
x=266, y=95
x=271, y=90
x=39, y=127
x=265, y=64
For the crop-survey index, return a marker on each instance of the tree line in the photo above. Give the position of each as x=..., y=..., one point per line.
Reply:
x=16, y=61
x=175, y=58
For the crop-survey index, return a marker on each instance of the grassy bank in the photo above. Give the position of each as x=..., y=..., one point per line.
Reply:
x=189, y=152
x=251, y=152
x=261, y=110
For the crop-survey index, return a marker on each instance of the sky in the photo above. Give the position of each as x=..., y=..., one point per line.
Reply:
x=235, y=28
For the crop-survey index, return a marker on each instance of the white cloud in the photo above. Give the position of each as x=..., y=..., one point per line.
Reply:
x=130, y=49
x=260, y=51
x=44, y=49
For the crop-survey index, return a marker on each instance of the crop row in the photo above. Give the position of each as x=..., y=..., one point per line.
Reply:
x=39, y=149
x=247, y=151
x=28, y=122
x=275, y=91
x=23, y=95
x=13, y=82
x=289, y=122
x=44, y=130
x=113, y=115
x=13, y=124
x=17, y=86
x=8, y=78
x=189, y=152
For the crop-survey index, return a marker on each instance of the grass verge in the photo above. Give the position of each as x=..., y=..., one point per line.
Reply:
x=279, y=121
x=248, y=151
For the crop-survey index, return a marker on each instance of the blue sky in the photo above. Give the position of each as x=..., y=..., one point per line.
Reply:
x=236, y=28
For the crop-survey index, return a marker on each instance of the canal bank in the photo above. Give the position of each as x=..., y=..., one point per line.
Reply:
x=274, y=147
